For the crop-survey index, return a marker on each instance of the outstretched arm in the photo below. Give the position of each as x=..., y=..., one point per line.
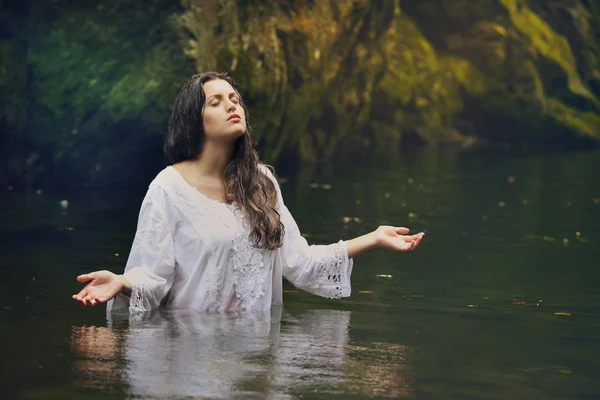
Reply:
x=150, y=268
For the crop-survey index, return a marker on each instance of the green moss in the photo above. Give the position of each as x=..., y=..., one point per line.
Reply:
x=547, y=43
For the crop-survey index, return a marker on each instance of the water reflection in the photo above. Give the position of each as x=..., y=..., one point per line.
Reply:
x=177, y=353
x=97, y=348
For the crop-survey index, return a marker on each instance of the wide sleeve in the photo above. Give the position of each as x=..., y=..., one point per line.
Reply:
x=323, y=270
x=151, y=264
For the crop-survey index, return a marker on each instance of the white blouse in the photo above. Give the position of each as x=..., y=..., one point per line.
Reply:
x=190, y=251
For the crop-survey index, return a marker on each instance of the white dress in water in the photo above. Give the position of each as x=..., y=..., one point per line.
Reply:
x=190, y=251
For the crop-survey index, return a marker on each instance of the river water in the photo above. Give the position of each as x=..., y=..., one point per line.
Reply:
x=499, y=301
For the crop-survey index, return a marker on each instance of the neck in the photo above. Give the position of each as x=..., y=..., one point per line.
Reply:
x=213, y=159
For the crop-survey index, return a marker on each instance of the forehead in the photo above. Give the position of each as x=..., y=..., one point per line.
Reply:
x=216, y=87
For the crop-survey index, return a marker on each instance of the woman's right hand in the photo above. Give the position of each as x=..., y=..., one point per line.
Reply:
x=102, y=286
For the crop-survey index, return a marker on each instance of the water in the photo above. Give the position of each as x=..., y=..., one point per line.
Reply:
x=500, y=300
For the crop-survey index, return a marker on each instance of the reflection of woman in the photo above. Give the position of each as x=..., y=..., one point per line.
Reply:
x=213, y=232
x=178, y=353
x=168, y=353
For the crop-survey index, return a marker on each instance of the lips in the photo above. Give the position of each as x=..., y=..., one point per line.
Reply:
x=233, y=116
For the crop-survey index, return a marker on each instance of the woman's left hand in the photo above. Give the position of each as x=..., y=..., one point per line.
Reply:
x=396, y=238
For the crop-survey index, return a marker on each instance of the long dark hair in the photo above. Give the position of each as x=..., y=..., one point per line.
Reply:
x=245, y=183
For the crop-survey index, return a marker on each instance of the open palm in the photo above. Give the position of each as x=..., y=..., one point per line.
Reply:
x=102, y=286
x=396, y=238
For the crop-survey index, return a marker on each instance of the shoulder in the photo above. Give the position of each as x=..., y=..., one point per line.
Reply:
x=268, y=170
x=162, y=188
x=165, y=180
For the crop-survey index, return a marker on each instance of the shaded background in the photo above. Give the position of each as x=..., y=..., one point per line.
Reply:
x=86, y=87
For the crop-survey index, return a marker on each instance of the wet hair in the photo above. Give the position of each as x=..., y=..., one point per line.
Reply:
x=254, y=192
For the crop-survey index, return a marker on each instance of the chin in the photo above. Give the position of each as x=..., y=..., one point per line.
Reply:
x=233, y=136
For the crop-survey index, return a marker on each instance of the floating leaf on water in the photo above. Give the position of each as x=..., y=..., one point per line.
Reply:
x=403, y=204
x=501, y=204
x=412, y=215
x=596, y=201
x=365, y=291
x=39, y=192
x=326, y=186
x=565, y=313
x=525, y=202
x=578, y=234
x=64, y=203
x=565, y=241
x=357, y=201
x=411, y=181
x=387, y=195
x=306, y=235
x=314, y=186
x=7, y=307
x=565, y=371
x=511, y=179
x=290, y=291
x=470, y=305
x=384, y=276
x=346, y=219
x=357, y=220
x=522, y=303
x=116, y=254
x=548, y=239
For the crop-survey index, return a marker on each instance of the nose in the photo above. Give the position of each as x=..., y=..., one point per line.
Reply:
x=231, y=106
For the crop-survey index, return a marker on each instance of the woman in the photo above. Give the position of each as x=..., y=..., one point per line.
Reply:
x=213, y=232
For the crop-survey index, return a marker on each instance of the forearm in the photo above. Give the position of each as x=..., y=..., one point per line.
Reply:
x=361, y=244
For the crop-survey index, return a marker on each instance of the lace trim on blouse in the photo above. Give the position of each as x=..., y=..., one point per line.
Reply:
x=332, y=271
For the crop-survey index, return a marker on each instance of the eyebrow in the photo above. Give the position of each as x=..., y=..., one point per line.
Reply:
x=221, y=96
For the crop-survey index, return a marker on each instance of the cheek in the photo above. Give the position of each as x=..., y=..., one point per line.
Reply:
x=208, y=119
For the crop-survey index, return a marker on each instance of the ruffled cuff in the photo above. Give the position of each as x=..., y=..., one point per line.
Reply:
x=334, y=272
x=136, y=303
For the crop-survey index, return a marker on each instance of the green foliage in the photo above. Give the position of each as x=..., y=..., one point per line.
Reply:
x=93, y=68
x=87, y=86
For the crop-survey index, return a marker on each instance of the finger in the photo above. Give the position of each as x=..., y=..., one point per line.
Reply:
x=419, y=239
x=401, y=230
x=101, y=299
x=411, y=237
x=406, y=246
x=82, y=293
x=93, y=302
x=86, y=277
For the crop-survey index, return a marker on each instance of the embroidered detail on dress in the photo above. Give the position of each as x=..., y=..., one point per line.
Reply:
x=248, y=268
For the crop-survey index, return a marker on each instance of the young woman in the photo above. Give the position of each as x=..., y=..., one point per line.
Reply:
x=213, y=232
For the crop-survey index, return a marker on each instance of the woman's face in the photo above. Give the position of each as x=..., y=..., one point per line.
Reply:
x=223, y=115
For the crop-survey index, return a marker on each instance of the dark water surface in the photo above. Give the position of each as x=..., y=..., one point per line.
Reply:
x=500, y=301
